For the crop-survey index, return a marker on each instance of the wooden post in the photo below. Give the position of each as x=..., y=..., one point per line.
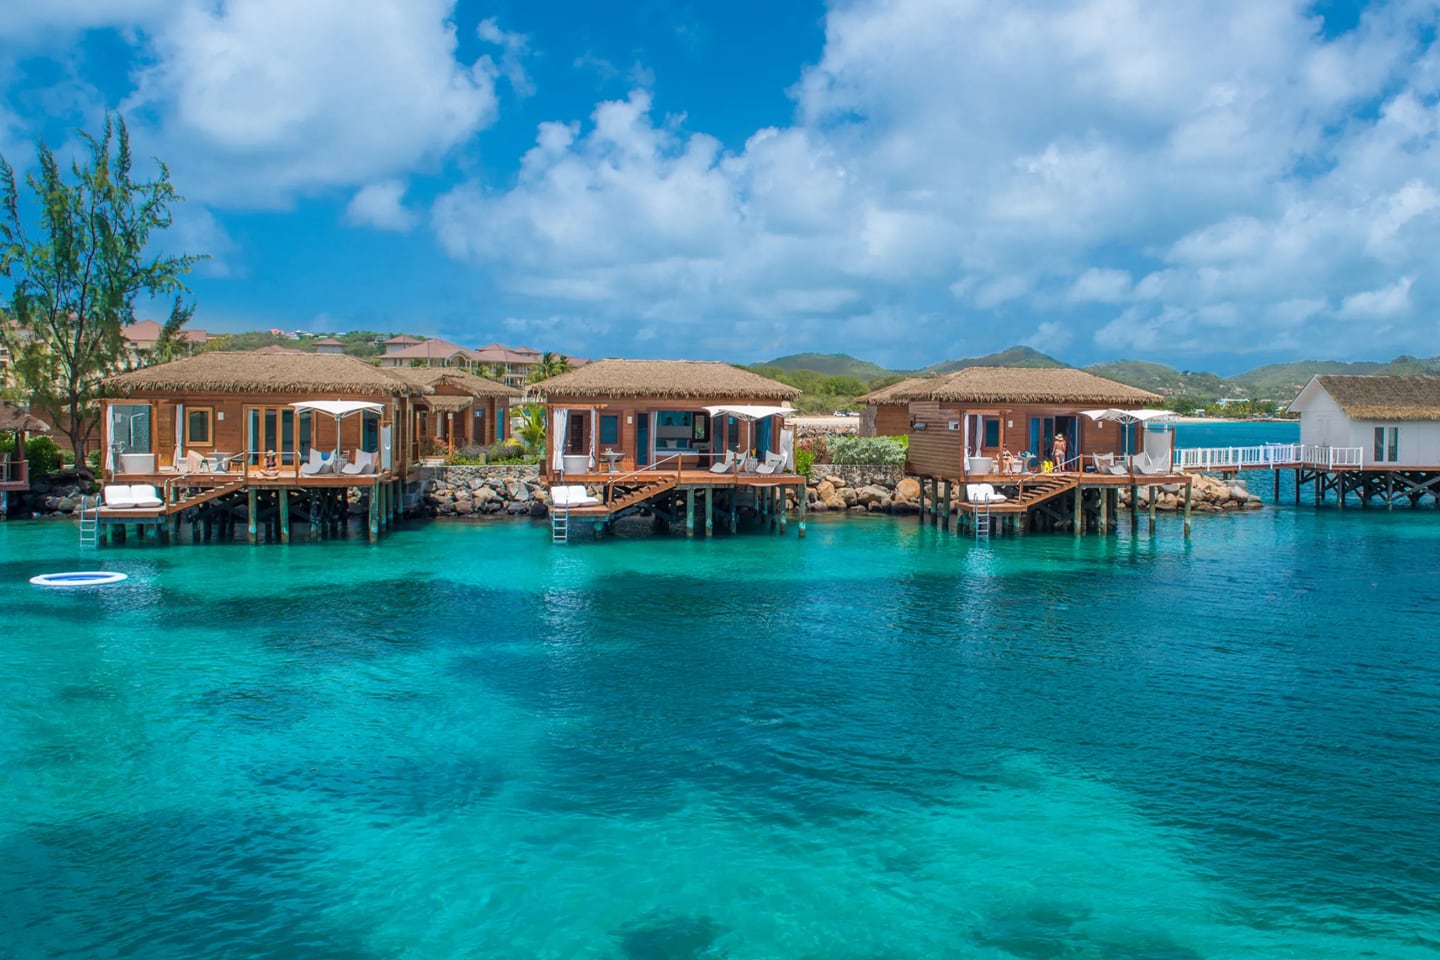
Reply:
x=1389, y=491
x=374, y=514
x=1339, y=482
x=250, y=513
x=1104, y=510
x=1188, y=488
x=804, y=502
x=690, y=512
x=1079, y=511
x=282, y=504
x=709, y=511
x=1150, y=490
x=784, y=507
x=922, y=501
x=175, y=520
x=1276, y=472
x=945, y=501
x=1134, y=505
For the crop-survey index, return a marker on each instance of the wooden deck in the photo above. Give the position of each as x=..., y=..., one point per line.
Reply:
x=661, y=490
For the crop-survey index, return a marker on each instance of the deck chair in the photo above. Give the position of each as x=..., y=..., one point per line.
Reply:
x=771, y=464
x=364, y=462
x=317, y=464
x=1104, y=462
x=1144, y=463
x=145, y=496
x=983, y=493
x=571, y=495
x=117, y=496
x=726, y=465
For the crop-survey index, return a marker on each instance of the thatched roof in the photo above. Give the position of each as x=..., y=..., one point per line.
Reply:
x=1384, y=398
x=252, y=372
x=473, y=385
x=895, y=393
x=1058, y=385
x=13, y=418
x=447, y=404
x=664, y=378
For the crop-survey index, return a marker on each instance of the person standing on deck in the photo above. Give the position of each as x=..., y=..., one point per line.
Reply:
x=1058, y=451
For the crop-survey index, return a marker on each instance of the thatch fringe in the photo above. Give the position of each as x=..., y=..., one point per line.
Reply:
x=250, y=372
x=663, y=378
x=1057, y=385
x=1384, y=397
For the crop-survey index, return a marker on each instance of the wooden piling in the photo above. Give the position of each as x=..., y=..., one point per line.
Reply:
x=1188, y=488
x=690, y=512
x=251, y=496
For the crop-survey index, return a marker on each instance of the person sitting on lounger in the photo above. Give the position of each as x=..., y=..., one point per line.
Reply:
x=272, y=465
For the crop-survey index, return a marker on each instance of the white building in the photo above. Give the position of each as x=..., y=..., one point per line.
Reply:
x=1394, y=420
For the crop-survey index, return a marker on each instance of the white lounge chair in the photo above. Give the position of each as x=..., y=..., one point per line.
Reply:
x=144, y=496
x=364, y=462
x=571, y=495
x=317, y=464
x=1145, y=464
x=772, y=463
x=117, y=496
x=726, y=465
x=983, y=493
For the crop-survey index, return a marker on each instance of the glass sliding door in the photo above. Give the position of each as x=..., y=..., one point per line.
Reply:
x=271, y=428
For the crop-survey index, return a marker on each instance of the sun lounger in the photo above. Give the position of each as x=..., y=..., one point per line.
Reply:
x=144, y=496
x=117, y=496
x=726, y=465
x=983, y=493
x=364, y=462
x=1144, y=464
x=317, y=464
x=571, y=495
x=771, y=464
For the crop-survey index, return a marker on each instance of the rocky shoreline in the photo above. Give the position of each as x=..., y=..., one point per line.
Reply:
x=518, y=491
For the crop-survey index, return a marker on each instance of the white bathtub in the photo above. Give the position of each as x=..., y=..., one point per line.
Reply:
x=137, y=463
x=982, y=465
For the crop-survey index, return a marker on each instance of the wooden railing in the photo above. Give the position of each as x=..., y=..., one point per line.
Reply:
x=15, y=472
x=1269, y=456
x=635, y=474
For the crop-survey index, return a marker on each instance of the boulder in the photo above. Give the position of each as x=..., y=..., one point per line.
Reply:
x=538, y=509
x=824, y=490
x=907, y=489
x=485, y=495
x=464, y=507
x=834, y=502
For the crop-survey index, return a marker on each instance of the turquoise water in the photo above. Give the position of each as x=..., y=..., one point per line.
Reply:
x=881, y=741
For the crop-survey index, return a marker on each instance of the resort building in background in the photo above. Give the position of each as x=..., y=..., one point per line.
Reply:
x=142, y=336
x=887, y=410
x=459, y=410
x=329, y=345
x=428, y=353
x=659, y=435
x=513, y=366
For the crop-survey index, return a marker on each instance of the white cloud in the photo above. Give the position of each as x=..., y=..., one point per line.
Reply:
x=514, y=48
x=1100, y=285
x=256, y=100
x=1384, y=303
x=381, y=205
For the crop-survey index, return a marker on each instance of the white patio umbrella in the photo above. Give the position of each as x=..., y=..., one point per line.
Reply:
x=339, y=409
x=1127, y=417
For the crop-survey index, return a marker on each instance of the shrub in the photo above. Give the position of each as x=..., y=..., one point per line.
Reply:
x=804, y=460
x=888, y=451
x=44, y=454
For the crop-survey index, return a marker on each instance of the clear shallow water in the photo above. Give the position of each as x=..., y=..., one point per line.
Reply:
x=881, y=741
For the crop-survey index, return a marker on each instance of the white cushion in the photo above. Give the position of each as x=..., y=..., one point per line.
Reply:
x=118, y=497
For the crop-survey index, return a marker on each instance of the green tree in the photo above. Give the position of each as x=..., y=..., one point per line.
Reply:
x=531, y=431
x=76, y=279
x=550, y=365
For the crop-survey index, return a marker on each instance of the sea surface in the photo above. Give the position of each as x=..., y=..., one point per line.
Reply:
x=880, y=741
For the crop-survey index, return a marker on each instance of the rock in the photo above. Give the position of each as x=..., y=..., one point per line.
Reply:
x=484, y=496
x=824, y=490
x=516, y=508
x=464, y=507
x=538, y=509
x=834, y=481
x=851, y=497
x=907, y=489
x=834, y=502
x=67, y=504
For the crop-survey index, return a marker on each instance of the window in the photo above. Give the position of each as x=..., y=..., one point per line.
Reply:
x=992, y=431
x=198, y=422
x=1387, y=444
x=131, y=426
x=610, y=429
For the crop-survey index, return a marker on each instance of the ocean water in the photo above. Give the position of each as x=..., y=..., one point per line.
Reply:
x=880, y=741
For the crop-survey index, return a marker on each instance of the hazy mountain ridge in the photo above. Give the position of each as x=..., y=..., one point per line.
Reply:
x=1280, y=382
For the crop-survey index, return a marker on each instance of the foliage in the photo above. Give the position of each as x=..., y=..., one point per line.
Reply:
x=819, y=449
x=550, y=365
x=1159, y=378
x=75, y=281
x=1013, y=357
x=804, y=461
x=531, y=429
x=868, y=450
x=825, y=364
x=505, y=452
x=44, y=454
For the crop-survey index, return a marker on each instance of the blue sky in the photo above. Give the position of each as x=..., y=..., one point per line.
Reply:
x=1211, y=184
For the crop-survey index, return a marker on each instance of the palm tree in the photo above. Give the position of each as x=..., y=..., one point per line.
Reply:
x=531, y=431
x=550, y=365
x=492, y=371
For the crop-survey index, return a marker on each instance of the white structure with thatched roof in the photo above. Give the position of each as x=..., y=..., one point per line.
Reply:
x=1395, y=421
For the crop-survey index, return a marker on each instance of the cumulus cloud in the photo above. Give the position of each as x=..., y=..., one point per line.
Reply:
x=257, y=100
x=989, y=154
x=1382, y=304
x=381, y=205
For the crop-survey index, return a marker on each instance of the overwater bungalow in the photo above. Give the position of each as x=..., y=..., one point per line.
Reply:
x=994, y=430
x=281, y=432
x=14, y=468
x=658, y=435
x=460, y=409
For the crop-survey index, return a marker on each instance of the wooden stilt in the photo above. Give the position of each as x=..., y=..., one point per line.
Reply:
x=803, y=503
x=1134, y=506
x=1150, y=493
x=374, y=516
x=1277, y=484
x=1188, y=488
x=921, y=501
x=1104, y=511
x=690, y=512
x=784, y=508
x=1389, y=491
x=709, y=511
x=250, y=503
x=282, y=505
x=1079, y=511
x=945, y=506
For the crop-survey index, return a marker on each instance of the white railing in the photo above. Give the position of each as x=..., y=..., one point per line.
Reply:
x=1269, y=456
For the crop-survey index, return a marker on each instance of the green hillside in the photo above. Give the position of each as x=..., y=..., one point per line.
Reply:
x=829, y=364
x=1162, y=379
x=1282, y=381
x=1013, y=357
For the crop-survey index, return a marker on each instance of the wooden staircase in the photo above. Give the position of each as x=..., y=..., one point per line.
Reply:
x=635, y=495
x=204, y=496
x=1042, y=488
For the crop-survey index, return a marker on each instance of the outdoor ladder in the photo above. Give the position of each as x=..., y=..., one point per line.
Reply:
x=89, y=520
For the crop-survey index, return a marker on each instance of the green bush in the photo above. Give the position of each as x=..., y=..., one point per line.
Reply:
x=804, y=460
x=888, y=451
x=44, y=454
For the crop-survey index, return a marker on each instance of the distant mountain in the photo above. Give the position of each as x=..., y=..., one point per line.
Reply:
x=1162, y=379
x=829, y=364
x=1014, y=357
x=1283, y=381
